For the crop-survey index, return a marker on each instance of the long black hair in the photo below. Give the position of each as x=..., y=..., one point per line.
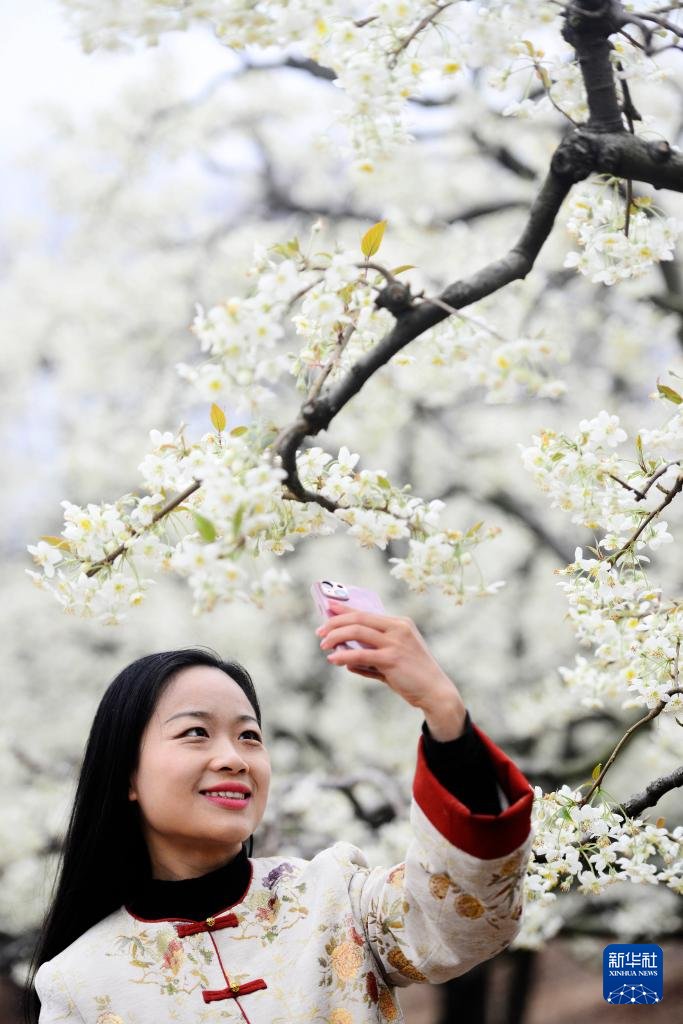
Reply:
x=104, y=852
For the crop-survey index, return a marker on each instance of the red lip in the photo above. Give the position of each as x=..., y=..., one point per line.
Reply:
x=227, y=787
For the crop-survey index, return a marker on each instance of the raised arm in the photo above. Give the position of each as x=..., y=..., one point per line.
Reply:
x=457, y=898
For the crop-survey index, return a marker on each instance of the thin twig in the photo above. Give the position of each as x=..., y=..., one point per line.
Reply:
x=653, y=713
x=302, y=291
x=670, y=495
x=675, y=30
x=634, y=42
x=660, y=472
x=369, y=265
x=168, y=507
x=629, y=200
x=428, y=18
x=327, y=370
x=463, y=316
x=629, y=487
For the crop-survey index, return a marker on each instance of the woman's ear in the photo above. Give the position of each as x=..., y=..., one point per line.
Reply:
x=132, y=792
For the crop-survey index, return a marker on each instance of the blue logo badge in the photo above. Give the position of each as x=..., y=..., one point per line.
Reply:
x=633, y=972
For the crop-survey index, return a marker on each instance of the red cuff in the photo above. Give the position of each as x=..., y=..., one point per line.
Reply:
x=481, y=835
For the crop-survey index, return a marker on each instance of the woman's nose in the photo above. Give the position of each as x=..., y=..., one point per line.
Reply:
x=228, y=756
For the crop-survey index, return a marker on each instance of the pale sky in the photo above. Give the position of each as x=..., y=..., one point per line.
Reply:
x=41, y=60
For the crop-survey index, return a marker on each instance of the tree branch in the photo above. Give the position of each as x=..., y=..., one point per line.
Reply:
x=503, y=155
x=587, y=27
x=652, y=713
x=670, y=495
x=427, y=20
x=417, y=318
x=653, y=792
x=629, y=156
x=168, y=507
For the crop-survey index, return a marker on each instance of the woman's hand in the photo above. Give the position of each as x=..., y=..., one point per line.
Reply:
x=401, y=659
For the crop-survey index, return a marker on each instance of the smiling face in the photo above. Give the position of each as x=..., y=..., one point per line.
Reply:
x=203, y=734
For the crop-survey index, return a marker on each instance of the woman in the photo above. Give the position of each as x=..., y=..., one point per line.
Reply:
x=159, y=914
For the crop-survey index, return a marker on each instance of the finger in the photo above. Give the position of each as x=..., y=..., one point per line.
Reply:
x=354, y=631
x=369, y=675
x=357, y=657
x=343, y=613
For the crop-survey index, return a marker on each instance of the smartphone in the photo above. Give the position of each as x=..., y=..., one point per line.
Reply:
x=358, y=597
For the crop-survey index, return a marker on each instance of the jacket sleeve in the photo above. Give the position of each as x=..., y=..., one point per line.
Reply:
x=464, y=767
x=56, y=1004
x=457, y=899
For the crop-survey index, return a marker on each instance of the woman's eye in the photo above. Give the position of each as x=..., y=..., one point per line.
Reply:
x=252, y=732
x=195, y=728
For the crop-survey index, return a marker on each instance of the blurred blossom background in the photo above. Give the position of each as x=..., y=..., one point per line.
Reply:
x=138, y=183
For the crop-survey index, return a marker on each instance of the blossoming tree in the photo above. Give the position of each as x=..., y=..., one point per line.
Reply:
x=369, y=322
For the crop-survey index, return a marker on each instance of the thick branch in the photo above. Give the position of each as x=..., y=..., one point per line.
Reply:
x=587, y=28
x=516, y=264
x=653, y=792
x=630, y=156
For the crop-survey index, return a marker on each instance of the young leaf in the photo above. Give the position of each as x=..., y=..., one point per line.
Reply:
x=542, y=73
x=238, y=431
x=205, y=527
x=57, y=542
x=670, y=394
x=372, y=239
x=237, y=519
x=399, y=270
x=218, y=417
x=639, y=449
x=596, y=772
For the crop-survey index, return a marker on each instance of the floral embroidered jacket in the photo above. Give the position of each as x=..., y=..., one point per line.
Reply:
x=324, y=941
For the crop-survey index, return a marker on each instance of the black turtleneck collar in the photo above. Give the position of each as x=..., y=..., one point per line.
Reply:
x=193, y=898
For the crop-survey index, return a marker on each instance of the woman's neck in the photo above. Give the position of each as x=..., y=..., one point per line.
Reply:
x=194, y=897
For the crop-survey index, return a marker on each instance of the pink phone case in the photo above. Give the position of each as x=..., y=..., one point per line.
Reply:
x=357, y=597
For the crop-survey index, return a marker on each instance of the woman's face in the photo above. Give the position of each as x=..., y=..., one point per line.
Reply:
x=203, y=735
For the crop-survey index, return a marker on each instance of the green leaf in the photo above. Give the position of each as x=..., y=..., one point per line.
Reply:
x=237, y=519
x=205, y=527
x=383, y=482
x=544, y=76
x=399, y=270
x=669, y=394
x=346, y=293
x=287, y=249
x=639, y=449
x=218, y=417
x=475, y=529
x=372, y=239
x=238, y=431
x=596, y=772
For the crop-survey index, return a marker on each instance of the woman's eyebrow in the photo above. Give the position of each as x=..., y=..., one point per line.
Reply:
x=208, y=715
